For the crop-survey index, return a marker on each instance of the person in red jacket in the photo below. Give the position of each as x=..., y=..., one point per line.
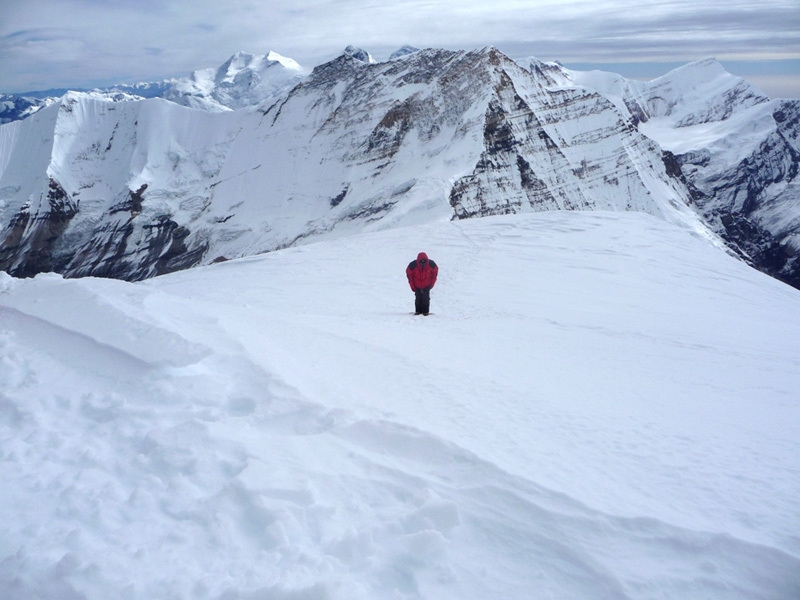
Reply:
x=421, y=275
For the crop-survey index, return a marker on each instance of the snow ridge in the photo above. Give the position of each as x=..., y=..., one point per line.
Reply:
x=583, y=422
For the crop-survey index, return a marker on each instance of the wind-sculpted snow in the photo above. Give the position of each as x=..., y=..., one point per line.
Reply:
x=601, y=406
x=77, y=308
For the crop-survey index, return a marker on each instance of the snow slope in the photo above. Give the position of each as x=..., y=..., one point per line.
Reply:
x=602, y=406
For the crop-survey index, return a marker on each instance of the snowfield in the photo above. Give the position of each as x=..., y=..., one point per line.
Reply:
x=603, y=405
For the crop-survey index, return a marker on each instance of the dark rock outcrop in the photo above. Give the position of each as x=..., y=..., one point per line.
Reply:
x=29, y=240
x=753, y=204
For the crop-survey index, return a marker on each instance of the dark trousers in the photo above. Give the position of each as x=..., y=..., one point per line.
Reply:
x=422, y=302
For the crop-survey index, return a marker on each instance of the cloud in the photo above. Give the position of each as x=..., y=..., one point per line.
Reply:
x=46, y=43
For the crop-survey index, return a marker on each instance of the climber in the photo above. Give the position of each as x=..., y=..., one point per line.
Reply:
x=421, y=275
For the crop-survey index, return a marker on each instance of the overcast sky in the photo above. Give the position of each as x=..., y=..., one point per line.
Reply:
x=85, y=43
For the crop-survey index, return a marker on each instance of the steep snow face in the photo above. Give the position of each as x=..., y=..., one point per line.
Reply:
x=737, y=151
x=699, y=93
x=72, y=187
x=602, y=406
x=244, y=80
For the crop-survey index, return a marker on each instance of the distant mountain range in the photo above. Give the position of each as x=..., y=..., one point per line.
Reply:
x=243, y=80
x=261, y=154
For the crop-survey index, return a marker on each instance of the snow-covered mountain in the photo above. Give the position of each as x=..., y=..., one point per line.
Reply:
x=242, y=81
x=135, y=189
x=14, y=107
x=602, y=406
x=737, y=150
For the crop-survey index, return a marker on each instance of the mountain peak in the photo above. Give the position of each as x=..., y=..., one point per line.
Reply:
x=551, y=73
x=698, y=71
x=709, y=63
x=243, y=80
x=701, y=92
x=245, y=61
x=359, y=54
x=237, y=62
x=403, y=51
x=274, y=57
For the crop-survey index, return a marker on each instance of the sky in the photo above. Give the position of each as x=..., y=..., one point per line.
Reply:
x=85, y=43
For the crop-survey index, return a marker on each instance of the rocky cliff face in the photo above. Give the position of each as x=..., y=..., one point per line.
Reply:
x=432, y=135
x=29, y=237
x=754, y=202
x=137, y=188
x=550, y=148
x=738, y=153
x=90, y=186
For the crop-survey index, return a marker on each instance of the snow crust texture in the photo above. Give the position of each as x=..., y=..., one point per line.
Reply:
x=601, y=406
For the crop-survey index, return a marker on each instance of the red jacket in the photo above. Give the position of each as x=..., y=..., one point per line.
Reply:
x=421, y=273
